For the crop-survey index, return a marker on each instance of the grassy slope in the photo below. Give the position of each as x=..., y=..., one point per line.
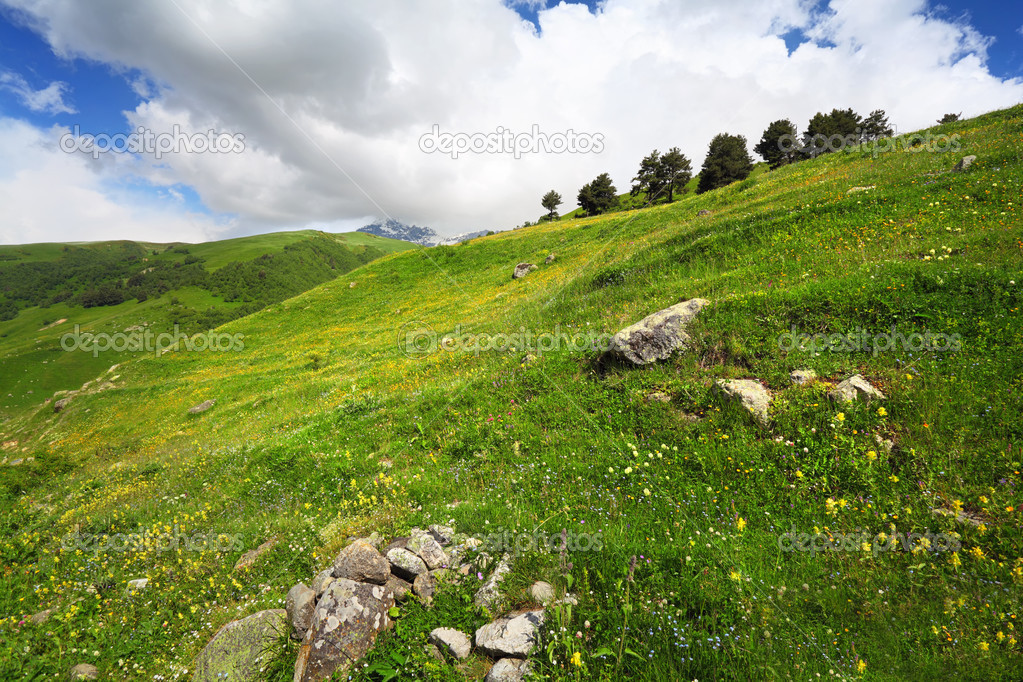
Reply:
x=323, y=428
x=28, y=342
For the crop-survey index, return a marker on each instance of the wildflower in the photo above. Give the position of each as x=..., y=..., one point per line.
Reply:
x=735, y=575
x=628, y=470
x=871, y=455
x=977, y=553
x=861, y=666
x=881, y=412
x=741, y=523
x=1000, y=636
x=799, y=474
x=909, y=377
x=983, y=646
x=840, y=417
x=646, y=491
x=954, y=560
x=983, y=500
x=577, y=659
x=893, y=478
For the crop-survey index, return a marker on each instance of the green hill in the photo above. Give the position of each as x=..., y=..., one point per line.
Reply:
x=49, y=290
x=343, y=415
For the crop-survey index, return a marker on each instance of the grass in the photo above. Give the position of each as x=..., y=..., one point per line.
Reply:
x=324, y=428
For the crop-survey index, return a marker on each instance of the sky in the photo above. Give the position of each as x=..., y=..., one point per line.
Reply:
x=249, y=116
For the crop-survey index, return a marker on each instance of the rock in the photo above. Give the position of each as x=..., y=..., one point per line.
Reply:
x=963, y=516
x=508, y=670
x=442, y=534
x=703, y=212
x=512, y=636
x=549, y=259
x=856, y=190
x=41, y=617
x=802, y=376
x=400, y=588
x=321, y=582
x=201, y=407
x=346, y=622
x=397, y=543
x=542, y=592
x=405, y=564
x=657, y=397
x=361, y=562
x=61, y=404
x=300, y=603
x=884, y=443
x=235, y=652
x=657, y=336
x=753, y=397
x=964, y=163
x=425, y=586
x=84, y=671
x=454, y=642
x=855, y=388
x=489, y=595
x=523, y=269
x=136, y=585
x=429, y=550
x=249, y=558
x=433, y=652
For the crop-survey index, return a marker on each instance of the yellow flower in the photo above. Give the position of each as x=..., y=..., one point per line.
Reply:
x=735, y=575
x=646, y=491
x=577, y=659
x=954, y=560
x=840, y=417
x=893, y=478
x=628, y=470
x=741, y=523
x=799, y=474
x=977, y=553
x=881, y=412
x=1000, y=636
x=871, y=455
x=909, y=377
x=983, y=500
x=861, y=666
x=984, y=646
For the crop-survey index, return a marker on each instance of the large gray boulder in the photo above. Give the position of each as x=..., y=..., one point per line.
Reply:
x=346, y=622
x=657, y=336
x=452, y=641
x=522, y=269
x=512, y=636
x=751, y=395
x=855, y=388
x=235, y=652
x=361, y=562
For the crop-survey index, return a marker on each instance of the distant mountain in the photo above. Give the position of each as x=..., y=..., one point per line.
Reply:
x=424, y=236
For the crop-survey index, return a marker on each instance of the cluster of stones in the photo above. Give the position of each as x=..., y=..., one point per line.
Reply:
x=339, y=616
x=657, y=336
x=523, y=269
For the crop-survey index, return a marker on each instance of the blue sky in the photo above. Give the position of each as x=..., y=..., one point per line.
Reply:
x=108, y=80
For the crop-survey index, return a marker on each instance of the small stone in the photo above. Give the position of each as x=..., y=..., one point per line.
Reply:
x=542, y=592
x=964, y=163
x=136, y=586
x=657, y=397
x=855, y=388
x=489, y=595
x=300, y=604
x=508, y=670
x=442, y=534
x=522, y=269
x=703, y=212
x=549, y=259
x=429, y=550
x=201, y=407
x=400, y=588
x=425, y=586
x=61, y=404
x=452, y=641
x=41, y=617
x=753, y=397
x=802, y=376
x=249, y=558
x=512, y=636
x=84, y=671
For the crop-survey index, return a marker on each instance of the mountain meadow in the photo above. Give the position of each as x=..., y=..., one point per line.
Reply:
x=685, y=534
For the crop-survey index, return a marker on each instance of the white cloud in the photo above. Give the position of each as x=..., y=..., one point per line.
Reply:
x=49, y=100
x=333, y=97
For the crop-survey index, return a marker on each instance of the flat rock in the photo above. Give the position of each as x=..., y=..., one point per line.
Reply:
x=452, y=641
x=249, y=558
x=361, y=562
x=657, y=336
x=84, y=671
x=442, y=534
x=542, y=592
x=429, y=550
x=508, y=670
x=201, y=407
x=965, y=163
x=235, y=652
x=41, y=617
x=300, y=604
x=405, y=564
x=855, y=388
x=512, y=636
x=137, y=585
x=346, y=622
x=752, y=395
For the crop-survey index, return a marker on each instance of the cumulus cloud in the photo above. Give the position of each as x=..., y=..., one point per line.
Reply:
x=48, y=100
x=333, y=98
